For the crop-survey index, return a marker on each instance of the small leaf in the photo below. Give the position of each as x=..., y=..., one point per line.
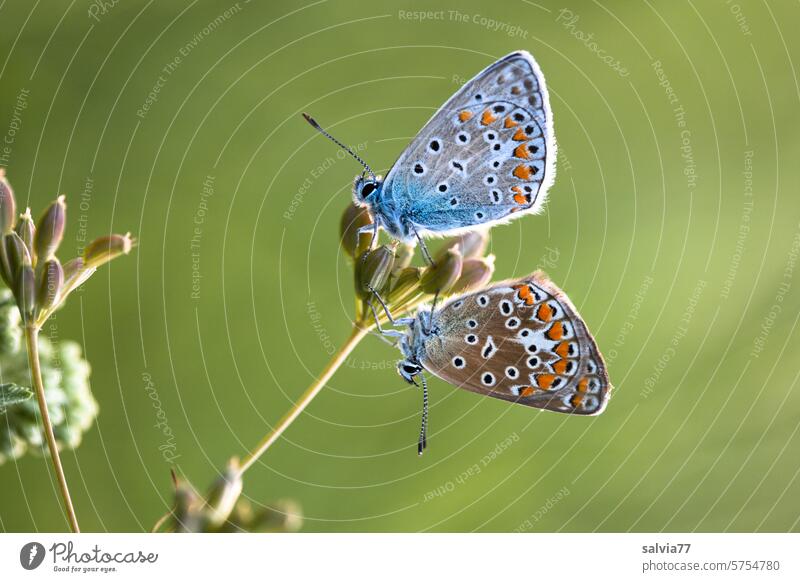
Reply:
x=11, y=394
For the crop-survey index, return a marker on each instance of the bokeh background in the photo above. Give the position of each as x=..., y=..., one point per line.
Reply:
x=674, y=225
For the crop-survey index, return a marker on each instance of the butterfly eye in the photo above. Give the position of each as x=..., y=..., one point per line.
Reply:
x=368, y=189
x=409, y=369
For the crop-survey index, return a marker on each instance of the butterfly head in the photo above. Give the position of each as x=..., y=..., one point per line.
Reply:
x=366, y=189
x=408, y=370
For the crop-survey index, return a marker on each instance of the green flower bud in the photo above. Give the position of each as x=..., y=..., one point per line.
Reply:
x=188, y=518
x=355, y=217
x=475, y=274
x=403, y=255
x=441, y=276
x=224, y=494
x=16, y=254
x=8, y=206
x=51, y=280
x=50, y=230
x=26, y=229
x=285, y=515
x=104, y=249
x=374, y=273
x=26, y=292
x=407, y=280
x=5, y=268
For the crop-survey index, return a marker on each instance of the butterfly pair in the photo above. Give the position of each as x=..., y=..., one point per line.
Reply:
x=486, y=157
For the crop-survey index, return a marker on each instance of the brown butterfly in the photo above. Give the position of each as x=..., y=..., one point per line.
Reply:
x=521, y=341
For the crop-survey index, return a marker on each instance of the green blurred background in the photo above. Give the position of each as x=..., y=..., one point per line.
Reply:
x=679, y=259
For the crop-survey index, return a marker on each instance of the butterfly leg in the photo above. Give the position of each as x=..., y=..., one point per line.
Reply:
x=393, y=321
x=384, y=332
x=423, y=431
x=373, y=228
x=425, y=252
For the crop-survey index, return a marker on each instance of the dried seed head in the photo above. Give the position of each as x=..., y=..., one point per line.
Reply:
x=26, y=229
x=51, y=281
x=441, y=276
x=224, y=494
x=8, y=206
x=374, y=273
x=102, y=250
x=475, y=274
x=354, y=218
x=50, y=230
x=25, y=292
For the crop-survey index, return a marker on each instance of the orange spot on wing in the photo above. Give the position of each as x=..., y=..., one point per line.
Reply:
x=521, y=151
x=545, y=380
x=520, y=135
x=545, y=312
x=524, y=290
x=583, y=385
x=487, y=117
x=520, y=198
x=556, y=331
x=560, y=367
x=576, y=400
x=523, y=172
x=562, y=349
x=527, y=391
x=465, y=116
x=509, y=123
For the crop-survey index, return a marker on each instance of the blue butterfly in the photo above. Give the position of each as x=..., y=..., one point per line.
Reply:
x=485, y=157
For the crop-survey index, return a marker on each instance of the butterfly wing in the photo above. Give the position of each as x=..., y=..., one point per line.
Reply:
x=521, y=341
x=486, y=155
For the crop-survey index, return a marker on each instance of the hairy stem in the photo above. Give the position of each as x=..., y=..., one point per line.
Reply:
x=32, y=341
x=338, y=359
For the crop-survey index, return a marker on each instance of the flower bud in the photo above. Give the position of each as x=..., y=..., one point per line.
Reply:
x=26, y=229
x=475, y=274
x=285, y=515
x=354, y=218
x=51, y=281
x=441, y=276
x=472, y=244
x=402, y=258
x=50, y=230
x=224, y=494
x=187, y=518
x=102, y=250
x=8, y=206
x=407, y=280
x=26, y=291
x=5, y=269
x=75, y=273
x=376, y=268
x=16, y=253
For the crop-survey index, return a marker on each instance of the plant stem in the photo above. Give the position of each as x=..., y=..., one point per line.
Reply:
x=32, y=341
x=359, y=331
